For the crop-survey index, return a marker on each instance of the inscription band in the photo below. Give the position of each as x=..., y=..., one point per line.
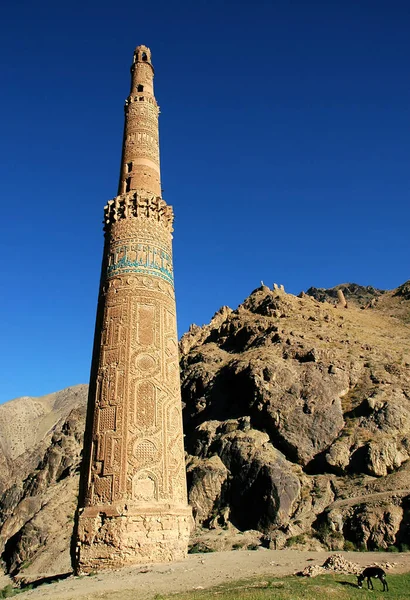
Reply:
x=141, y=258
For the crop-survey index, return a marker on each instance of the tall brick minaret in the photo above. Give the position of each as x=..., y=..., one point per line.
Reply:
x=133, y=500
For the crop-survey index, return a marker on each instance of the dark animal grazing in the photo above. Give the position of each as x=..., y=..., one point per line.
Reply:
x=370, y=572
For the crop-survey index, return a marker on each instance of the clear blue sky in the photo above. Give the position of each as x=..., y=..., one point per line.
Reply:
x=285, y=150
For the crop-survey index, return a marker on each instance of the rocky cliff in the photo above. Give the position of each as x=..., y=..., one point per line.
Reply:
x=297, y=417
x=297, y=423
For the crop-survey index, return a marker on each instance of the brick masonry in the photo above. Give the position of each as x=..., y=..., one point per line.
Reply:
x=133, y=499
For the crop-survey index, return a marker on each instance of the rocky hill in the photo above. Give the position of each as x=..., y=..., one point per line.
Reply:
x=297, y=423
x=41, y=441
x=297, y=417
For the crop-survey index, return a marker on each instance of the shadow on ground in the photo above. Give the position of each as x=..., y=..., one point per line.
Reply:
x=348, y=584
x=43, y=580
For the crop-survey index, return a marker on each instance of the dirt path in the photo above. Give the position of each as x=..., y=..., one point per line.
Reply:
x=198, y=571
x=367, y=498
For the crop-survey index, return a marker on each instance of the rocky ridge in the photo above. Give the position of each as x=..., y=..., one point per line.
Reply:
x=297, y=422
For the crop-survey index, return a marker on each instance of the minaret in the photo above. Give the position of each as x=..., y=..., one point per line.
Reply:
x=133, y=500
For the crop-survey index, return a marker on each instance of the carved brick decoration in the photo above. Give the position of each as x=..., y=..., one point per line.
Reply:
x=133, y=500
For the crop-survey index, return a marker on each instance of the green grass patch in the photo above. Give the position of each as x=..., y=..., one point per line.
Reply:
x=327, y=587
x=9, y=591
x=296, y=539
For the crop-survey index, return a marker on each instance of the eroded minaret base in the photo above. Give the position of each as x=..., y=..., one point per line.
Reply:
x=111, y=537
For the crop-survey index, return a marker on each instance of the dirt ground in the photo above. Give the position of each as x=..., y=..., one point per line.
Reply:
x=199, y=571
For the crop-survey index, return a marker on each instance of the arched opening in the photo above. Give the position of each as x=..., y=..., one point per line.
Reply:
x=144, y=56
x=140, y=88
